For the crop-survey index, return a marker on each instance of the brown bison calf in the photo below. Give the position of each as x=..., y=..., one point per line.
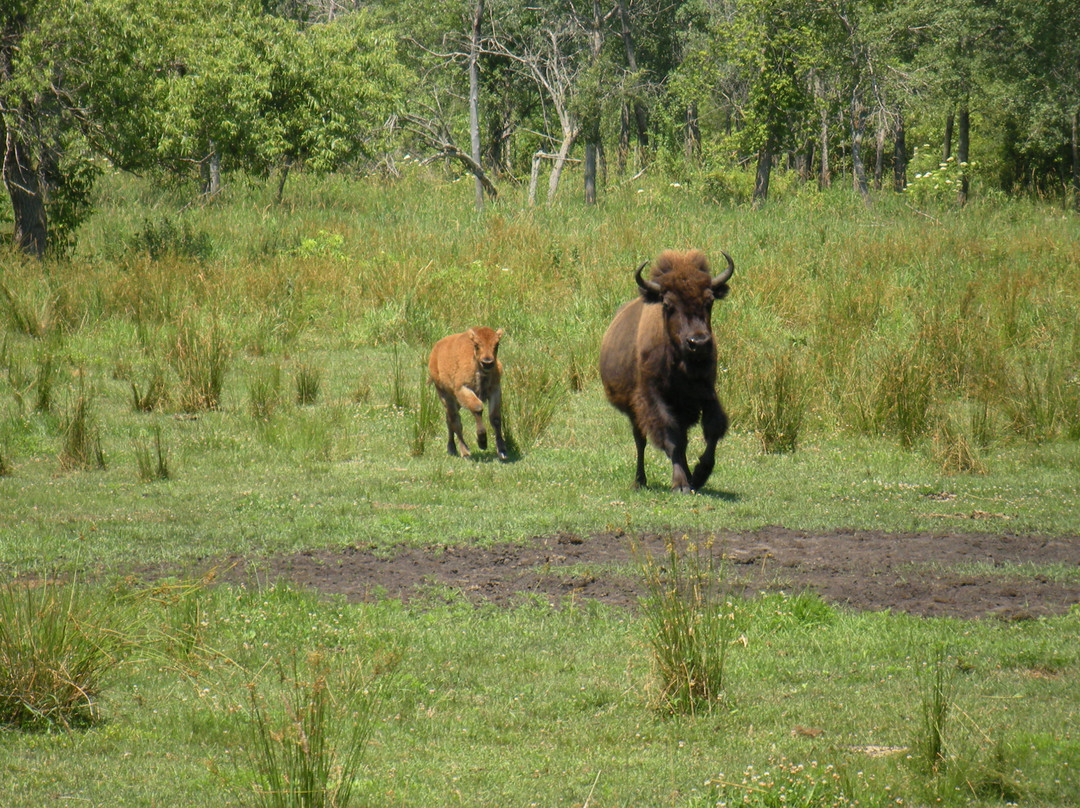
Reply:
x=658, y=362
x=466, y=371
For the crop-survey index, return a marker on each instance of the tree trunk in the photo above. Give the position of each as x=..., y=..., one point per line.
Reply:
x=825, y=179
x=946, y=152
x=211, y=171
x=1076, y=159
x=560, y=162
x=283, y=174
x=764, y=169
x=623, y=148
x=692, y=132
x=590, y=173
x=879, y=157
x=963, y=140
x=27, y=193
x=858, y=129
x=534, y=176
x=640, y=116
x=900, y=155
x=474, y=96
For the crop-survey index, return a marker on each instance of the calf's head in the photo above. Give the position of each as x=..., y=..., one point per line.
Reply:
x=683, y=283
x=485, y=346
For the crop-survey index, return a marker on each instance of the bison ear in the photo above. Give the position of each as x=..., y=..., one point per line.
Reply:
x=498, y=335
x=472, y=334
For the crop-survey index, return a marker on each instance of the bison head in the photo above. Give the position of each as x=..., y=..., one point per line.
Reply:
x=685, y=286
x=485, y=346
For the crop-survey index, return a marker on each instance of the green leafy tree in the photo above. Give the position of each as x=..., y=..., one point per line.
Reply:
x=152, y=84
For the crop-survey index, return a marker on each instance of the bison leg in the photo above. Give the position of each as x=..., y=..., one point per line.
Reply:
x=453, y=426
x=714, y=424
x=495, y=416
x=680, y=469
x=640, y=443
x=469, y=400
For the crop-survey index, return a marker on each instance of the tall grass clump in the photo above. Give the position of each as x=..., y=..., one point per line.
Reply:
x=308, y=384
x=153, y=395
x=264, y=392
x=955, y=445
x=81, y=436
x=152, y=461
x=532, y=394
x=425, y=422
x=308, y=730
x=58, y=645
x=200, y=354
x=399, y=388
x=690, y=623
x=779, y=396
x=936, y=692
x=30, y=305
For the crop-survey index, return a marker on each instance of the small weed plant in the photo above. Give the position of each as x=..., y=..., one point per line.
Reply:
x=690, y=623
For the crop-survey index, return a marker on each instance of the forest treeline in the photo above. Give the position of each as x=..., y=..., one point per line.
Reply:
x=729, y=90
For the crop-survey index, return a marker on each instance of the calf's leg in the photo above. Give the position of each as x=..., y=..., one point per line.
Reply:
x=453, y=426
x=495, y=416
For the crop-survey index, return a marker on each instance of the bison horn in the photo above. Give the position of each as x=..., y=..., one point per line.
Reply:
x=651, y=287
x=722, y=278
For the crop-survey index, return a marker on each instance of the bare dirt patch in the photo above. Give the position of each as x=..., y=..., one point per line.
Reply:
x=959, y=575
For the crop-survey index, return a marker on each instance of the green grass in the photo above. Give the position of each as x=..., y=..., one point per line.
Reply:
x=490, y=706
x=179, y=320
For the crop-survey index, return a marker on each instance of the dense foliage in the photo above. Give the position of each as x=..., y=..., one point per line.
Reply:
x=829, y=88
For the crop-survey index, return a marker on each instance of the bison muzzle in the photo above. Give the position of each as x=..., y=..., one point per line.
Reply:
x=466, y=372
x=658, y=362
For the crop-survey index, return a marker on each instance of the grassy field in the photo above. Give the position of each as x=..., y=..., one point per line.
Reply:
x=150, y=390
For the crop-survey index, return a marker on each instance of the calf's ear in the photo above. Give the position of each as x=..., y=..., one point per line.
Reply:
x=472, y=334
x=498, y=335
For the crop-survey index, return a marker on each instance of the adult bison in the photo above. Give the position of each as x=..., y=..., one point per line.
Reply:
x=466, y=370
x=658, y=362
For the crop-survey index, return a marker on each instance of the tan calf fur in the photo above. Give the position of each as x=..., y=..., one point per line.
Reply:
x=466, y=372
